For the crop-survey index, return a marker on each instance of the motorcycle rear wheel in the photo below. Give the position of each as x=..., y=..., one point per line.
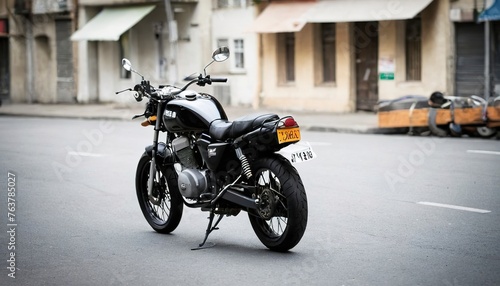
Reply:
x=164, y=217
x=283, y=204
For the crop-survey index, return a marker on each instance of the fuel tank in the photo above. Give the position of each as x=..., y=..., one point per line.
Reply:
x=192, y=111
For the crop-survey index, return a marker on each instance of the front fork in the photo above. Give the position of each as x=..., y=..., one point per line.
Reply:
x=152, y=167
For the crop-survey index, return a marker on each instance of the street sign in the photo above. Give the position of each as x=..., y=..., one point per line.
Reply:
x=386, y=76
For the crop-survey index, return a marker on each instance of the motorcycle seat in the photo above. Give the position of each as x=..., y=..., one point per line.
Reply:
x=222, y=129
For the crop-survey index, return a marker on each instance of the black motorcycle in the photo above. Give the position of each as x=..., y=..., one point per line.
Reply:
x=217, y=165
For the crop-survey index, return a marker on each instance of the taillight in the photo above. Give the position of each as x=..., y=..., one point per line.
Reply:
x=290, y=122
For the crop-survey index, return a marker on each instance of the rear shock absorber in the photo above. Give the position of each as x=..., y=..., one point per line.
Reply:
x=245, y=166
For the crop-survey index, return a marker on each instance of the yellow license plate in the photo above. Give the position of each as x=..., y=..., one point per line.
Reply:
x=286, y=135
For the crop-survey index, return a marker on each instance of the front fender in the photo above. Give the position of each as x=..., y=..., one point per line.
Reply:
x=164, y=154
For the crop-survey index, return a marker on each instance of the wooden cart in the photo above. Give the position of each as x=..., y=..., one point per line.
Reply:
x=419, y=117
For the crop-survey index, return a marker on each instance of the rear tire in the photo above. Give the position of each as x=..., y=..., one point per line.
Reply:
x=283, y=204
x=165, y=216
x=486, y=132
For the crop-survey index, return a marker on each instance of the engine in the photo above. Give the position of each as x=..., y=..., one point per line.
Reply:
x=192, y=181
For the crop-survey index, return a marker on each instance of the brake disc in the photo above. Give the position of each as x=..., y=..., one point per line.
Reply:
x=267, y=204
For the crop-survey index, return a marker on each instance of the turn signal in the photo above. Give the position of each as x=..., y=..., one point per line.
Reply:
x=150, y=121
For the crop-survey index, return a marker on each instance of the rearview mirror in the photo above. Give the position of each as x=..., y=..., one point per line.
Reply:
x=126, y=64
x=221, y=54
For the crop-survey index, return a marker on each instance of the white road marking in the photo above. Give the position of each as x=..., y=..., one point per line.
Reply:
x=84, y=154
x=484, y=152
x=455, y=207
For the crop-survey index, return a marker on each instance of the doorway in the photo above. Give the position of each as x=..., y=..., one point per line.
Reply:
x=4, y=63
x=366, y=53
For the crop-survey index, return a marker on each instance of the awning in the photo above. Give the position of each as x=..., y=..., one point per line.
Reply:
x=492, y=13
x=364, y=10
x=111, y=23
x=281, y=17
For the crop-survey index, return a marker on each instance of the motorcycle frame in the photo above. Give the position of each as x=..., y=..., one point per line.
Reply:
x=233, y=196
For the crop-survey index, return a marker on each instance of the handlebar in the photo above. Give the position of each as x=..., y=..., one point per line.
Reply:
x=219, y=79
x=201, y=81
x=145, y=89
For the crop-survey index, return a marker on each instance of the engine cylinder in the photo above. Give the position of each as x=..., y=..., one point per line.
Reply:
x=184, y=152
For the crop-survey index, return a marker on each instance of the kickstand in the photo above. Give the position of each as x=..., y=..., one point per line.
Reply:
x=210, y=228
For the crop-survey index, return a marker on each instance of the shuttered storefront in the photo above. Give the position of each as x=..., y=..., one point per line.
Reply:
x=496, y=58
x=469, y=76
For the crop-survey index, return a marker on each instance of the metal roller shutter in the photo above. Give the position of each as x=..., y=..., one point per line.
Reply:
x=469, y=76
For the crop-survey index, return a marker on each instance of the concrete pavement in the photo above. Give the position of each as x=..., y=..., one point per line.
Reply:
x=359, y=122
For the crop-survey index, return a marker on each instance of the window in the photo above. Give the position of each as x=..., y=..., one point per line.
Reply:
x=328, y=51
x=286, y=57
x=413, y=41
x=239, y=54
x=4, y=30
x=222, y=3
x=222, y=43
x=231, y=3
x=124, y=53
x=290, y=56
x=236, y=62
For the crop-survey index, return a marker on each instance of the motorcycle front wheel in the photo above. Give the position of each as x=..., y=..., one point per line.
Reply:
x=165, y=215
x=281, y=218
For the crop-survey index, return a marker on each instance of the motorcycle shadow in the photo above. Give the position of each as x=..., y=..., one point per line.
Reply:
x=219, y=245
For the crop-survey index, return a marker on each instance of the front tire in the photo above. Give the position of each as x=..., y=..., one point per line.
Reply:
x=165, y=216
x=281, y=219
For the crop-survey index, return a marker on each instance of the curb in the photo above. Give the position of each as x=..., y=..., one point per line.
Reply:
x=57, y=116
x=344, y=130
x=331, y=129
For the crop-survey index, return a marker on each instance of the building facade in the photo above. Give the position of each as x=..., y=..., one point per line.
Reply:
x=138, y=30
x=38, y=64
x=476, y=49
x=165, y=53
x=324, y=55
x=344, y=56
x=230, y=18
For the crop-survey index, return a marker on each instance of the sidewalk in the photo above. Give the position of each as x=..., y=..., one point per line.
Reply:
x=359, y=122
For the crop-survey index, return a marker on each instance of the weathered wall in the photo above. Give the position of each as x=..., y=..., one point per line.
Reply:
x=305, y=94
x=17, y=52
x=436, y=54
x=243, y=83
x=43, y=80
x=44, y=64
x=100, y=62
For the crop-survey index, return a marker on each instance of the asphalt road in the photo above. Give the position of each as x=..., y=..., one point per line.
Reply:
x=383, y=210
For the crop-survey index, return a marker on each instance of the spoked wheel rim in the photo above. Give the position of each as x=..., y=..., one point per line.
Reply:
x=160, y=212
x=273, y=207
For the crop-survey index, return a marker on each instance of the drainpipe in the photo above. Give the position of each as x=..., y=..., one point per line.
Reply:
x=260, y=76
x=487, y=78
x=172, y=37
x=30, y=81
